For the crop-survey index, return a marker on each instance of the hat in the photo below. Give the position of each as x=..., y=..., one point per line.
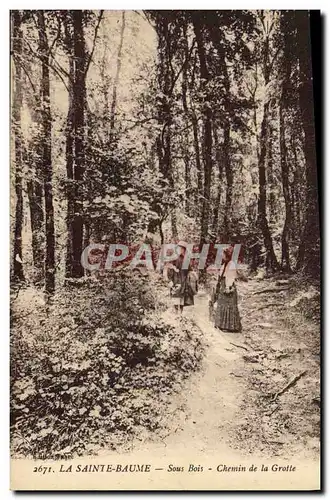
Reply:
x=182, y=244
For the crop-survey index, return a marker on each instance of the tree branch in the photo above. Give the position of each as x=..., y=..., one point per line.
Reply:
x=51, y=66
x=30, y=80
x=183, y=65
x=57, y=35
x=274, y=59
x=94, y=41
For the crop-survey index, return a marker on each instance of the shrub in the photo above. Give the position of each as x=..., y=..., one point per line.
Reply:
x=95, y=365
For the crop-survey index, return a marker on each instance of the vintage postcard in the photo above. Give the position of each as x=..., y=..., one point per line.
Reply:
x=165, y=251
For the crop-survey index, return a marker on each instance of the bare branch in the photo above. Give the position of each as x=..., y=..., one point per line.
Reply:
x=140, y=122
x=251, y=91
x=30, y=80
x=60, y=68
x=57, y=35
x=260, y=16
x=183, y=65
x=59, y=71
x=94, y=41
x=274, y=59
x=60, y=76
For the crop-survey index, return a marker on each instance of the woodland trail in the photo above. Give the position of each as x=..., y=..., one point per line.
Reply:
x=225, y=409
x=223, y=413
x=211, y=399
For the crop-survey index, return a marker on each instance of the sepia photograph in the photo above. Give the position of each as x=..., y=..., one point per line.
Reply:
x=164, y=251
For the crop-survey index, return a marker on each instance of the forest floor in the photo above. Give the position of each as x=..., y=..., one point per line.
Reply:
x=230, y=406
x=254, y=393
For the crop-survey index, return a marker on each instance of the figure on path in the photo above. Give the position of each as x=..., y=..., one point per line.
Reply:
x=183, y=283
x=226, y=315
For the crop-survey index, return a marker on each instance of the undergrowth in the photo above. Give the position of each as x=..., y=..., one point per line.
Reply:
x=94, y=367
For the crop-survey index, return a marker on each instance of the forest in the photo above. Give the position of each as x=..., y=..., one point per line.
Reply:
x=144, y=126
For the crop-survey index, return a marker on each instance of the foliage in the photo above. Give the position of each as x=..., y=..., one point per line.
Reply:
x=80, y=382
x=175, y=134
x=149, y=126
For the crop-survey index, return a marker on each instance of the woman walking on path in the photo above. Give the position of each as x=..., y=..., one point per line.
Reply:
x=227, y=317
x=183, y=282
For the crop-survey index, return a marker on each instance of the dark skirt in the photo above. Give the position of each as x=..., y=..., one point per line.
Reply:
x=184, y=296
x=227, y=315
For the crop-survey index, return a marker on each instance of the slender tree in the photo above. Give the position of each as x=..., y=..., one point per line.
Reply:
x=216, y=34
x=34, y=182
x=185, y=144
x=286, y=193
x=166, y=81
x=46, y=155
x=207, y=116
x=17, y=37
x=271, y=260
x=69, y=145
x=309, y=251
x=75, y=141
x=116, y=81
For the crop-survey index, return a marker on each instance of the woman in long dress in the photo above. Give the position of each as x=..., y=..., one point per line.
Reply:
x=227, y=317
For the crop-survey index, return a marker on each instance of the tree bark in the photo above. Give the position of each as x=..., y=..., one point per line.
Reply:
x=75, y=142
x=271, y=260
x=286, y=193
x=271, y=178
x=36, y=201
x=165, y=83
x=296, y=196
x=207, y=136
x=194, y=121
x=185, y=145
x=35, y=191
x=229, y=182
x=309, y=249
x=46, y=156
x=116, y=82
x=17, y=45
x=69, y=157
x=216, y=210
x=79, y=99
x=215, y=32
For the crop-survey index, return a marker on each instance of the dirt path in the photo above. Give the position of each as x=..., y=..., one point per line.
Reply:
x=223, y=414
x=226, y=408
x=211, y=399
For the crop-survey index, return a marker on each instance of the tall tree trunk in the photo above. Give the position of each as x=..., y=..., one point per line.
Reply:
x=46, y=156
x=271, y=260
x=309, y=250
x=185, y=145
x=216, y=35
x=17, y=40
x=165, y=83
x=296, y=192
x=35, y=191
x=216, y=210
x=229, y=182
x=197, y=192
x=207, y=136
x=75, y=144
x=69, y=154
x=35, y=196
x=194, y=121
x=116, y=82
x=286, y=193
x=271, y=179
x=105, y=86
